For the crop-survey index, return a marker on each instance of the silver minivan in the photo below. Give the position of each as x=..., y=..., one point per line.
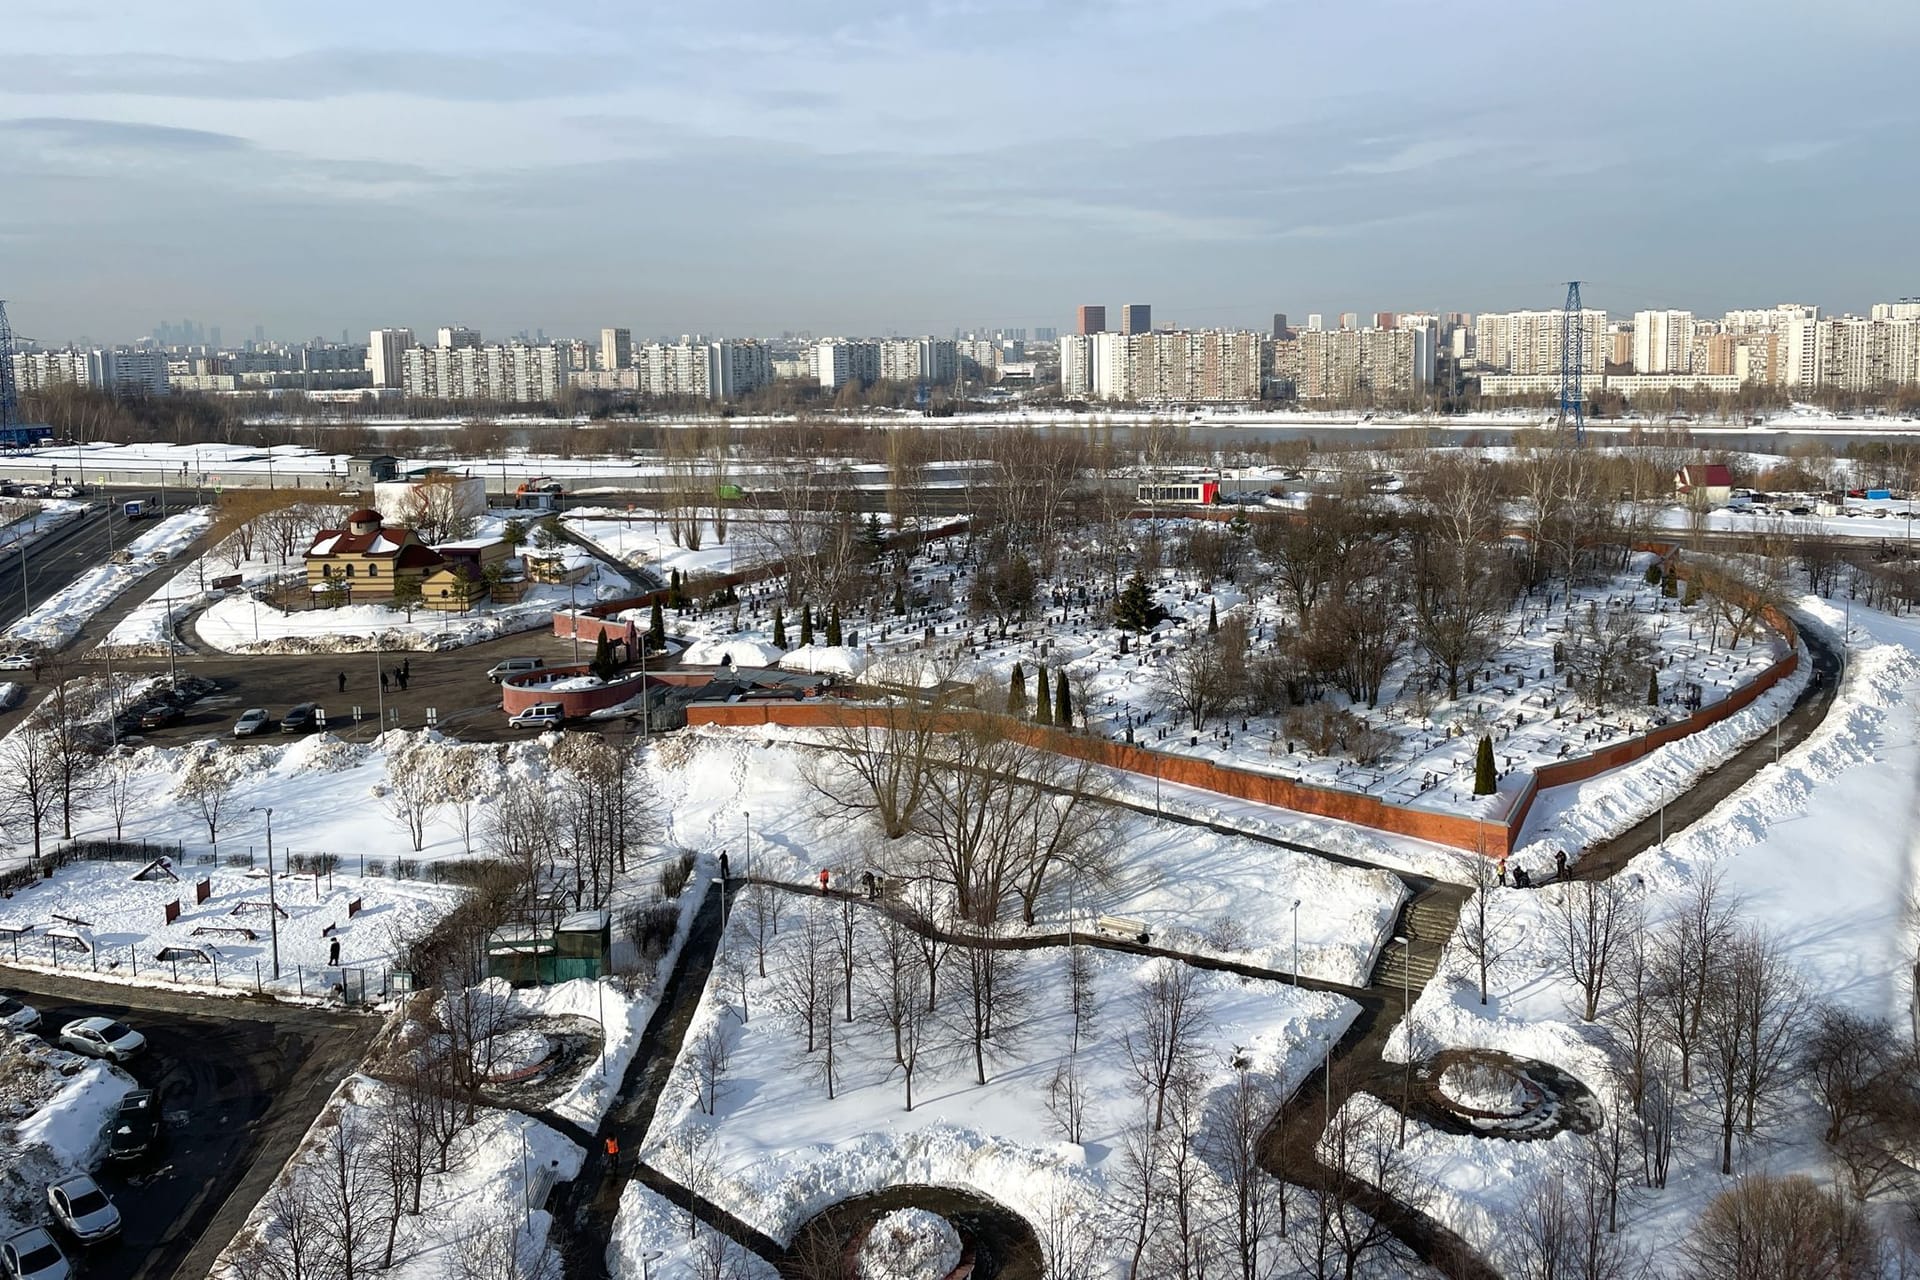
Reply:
x=514, y=667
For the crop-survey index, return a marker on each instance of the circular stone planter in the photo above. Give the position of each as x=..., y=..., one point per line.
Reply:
x=1487, y=1089
x=909, y=1244
x=1496, y=1095
x=516, y=1055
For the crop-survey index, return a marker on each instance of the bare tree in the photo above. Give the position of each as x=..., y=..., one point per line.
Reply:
x=1487, y=930
x=1753, y=1011
x=1163, y=1045
x=117, y=791
x=1766, y=1227
x=1868, y=1084
x=413, y=794
x=288, y=1241
x=1361, y=1157
x=991, y=1004
x=207, y=787
x=802, y=988
x=709, y=1055
x=1590, y=922
x=1252, y=1207
x=354, y=1207
x=1083, y=999
x=893, y=979
x=28, y=759
x=74, y=741
x=877, y=760
x=1683, y=956
x=1197, y=681
x=763, y=920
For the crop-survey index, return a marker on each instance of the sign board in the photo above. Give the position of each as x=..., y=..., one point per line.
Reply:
x=225, y=582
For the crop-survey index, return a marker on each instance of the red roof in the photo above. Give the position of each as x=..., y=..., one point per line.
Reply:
x=1710, y=474
x=395, y=544
x=365, y=515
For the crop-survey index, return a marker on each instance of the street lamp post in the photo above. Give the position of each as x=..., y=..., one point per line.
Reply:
x=273, y=904
x=1296, y=942
x=573, y=618
x=1406, y=1016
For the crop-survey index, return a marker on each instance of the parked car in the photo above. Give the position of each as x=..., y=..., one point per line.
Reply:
x=252, y=721
x=24, y=662
x=17, y=1016
x=514, y=667
x=63, y=491
x=82, y=1210
x=159, y=715
x=33, y=491
x=301, y=719
x=541, y=715
x=136, y=1126
x=32, y=1255
x=99, y=1037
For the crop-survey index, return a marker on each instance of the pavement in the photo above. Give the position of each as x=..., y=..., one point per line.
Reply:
x=240, y=1082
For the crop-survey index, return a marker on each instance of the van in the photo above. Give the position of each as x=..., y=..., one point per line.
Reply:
x=541, y=715
x=514, y=667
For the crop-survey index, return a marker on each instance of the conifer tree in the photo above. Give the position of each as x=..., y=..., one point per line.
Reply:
x=657, y=628
x=806, y=625
x=833, y=626
x=1043, y=700
x=1483, y=779
x=1017, y=692
x=1213, y=619
x=899, y=601
x=1062, y=703
x=1653, y=686
x=779, y=629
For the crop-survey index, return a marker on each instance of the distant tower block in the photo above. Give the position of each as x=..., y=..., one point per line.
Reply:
x=1136, y=317
x=1092, y=319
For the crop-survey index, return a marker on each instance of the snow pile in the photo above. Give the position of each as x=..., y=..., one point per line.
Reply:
x=512, y=1055
x=1485, y=1088
x=54, y=1109
x=741, y=652
x=675, y=1244
x=910, y=1244
x=820, y=659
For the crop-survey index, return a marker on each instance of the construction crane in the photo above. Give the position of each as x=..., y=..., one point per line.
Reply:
x=9, y=394
x=1573, y=407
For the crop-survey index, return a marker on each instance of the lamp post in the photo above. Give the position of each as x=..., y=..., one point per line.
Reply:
x=1406, y=1016
x=573, y=619
x=746, y=846
x=1296, y=942
x=273, y=905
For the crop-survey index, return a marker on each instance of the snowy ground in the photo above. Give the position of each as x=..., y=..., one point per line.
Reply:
x=648, y=1226
x=43, y=517
x=1877, y=520
x=1195, y=889
x=1819, y=849
x=777, y=1150
x=645, y=540
x=54, y=1108
x=58, y=618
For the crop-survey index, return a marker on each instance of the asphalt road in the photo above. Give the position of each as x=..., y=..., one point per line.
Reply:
x=76, y=546
x=239, y=1080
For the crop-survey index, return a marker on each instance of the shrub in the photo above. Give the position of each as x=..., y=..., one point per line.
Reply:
x=674, y=876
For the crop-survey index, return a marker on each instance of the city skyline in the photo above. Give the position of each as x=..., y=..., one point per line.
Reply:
x=856, y=168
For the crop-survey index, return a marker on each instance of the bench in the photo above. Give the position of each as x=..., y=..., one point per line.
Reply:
x=222, y=931
x=1123, y=927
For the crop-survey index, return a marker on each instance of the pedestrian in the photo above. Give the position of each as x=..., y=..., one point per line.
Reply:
x=383, y=682
x=403, y=679
x=343, y=682
x=333, y=953
x=613, y=1154
x=823, y=880
x=406, y=671
x=867, y=881
x=1502, y=879
x=723, y=866
x=1560, y=863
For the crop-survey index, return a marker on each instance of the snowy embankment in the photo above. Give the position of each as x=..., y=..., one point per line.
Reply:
x=54, y=1108
x=656, y=1229
x=58, y=618
x=775, y=1149
x=1196, y=890
x=1816, y=849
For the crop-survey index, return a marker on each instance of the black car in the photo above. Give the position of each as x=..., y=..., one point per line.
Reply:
x=160, y=715
x=301, y=719
x=136, y=1126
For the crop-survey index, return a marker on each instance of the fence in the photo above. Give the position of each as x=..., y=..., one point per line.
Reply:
x=1494, y=836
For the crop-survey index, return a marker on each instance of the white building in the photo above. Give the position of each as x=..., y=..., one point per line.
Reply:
x=1662, y=341
x=839, y=361
x=708, y=370
x=386, y=352
x=514, y=372
x=1168, y=366
x=1528, y=342
x=932, y=360
x=457, y=335
x=123, y=371
x=616, y=348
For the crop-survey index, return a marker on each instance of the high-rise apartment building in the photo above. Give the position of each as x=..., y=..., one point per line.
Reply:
x=1528, y=342
x=1662, y=341
x=1279, y=324
x=452, y=336
x=515, y=372
x=1091, y=319
x=386, y=351
x=1164, y=367
x=1316, y=321
x=1136, y=317
x=1349, y=319
x=616, y=348
x=124, y=371
x=706, y=369
x=1346, y=363
x=839, y=361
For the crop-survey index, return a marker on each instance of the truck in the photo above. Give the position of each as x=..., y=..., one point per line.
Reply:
x=137, y=509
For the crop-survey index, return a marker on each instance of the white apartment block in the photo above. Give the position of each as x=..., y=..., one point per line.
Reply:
x=838, y=361
x=124, y=372
x=456, y=335
x=932, y=360
x=513, y=372
x=1169, y=366
x=719, y=370
x=386, y=351
x=1905, y=309
x=1856, y=354
x=1662, y=341
x=616, y=348
x=1344, y=363
x=1528, y=342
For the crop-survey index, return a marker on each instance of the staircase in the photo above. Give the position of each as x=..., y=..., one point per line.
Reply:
x=1427, y=923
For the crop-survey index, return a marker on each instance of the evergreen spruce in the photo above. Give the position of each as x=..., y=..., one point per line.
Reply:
x=1017, y=692
x=1483, y=780
x=1213, y=619
x=1653, y=574
x=833, y=626
x=1062, y=703
x=1043, y=701
x=779, y=629
x=806, y=625
x=873, y=539
x=1693, y=593
x=1653, y=687
x=673, y=589
x=603, y=664
x=1135, y=609
x=657, y=628
x=1667, y=586
x=899, y=601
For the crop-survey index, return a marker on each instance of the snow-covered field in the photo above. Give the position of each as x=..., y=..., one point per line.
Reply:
x=54, y=1107
x=1818, y=850
x=776, y=1149
x=58, y=618
x=1195, y=889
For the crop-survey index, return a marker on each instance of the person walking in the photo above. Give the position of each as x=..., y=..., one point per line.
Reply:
x=383, y=682
x=402, y=677
x=406, y=671
x=723, y=866
x=823, y=880
x=333, y=953
x=343, y=682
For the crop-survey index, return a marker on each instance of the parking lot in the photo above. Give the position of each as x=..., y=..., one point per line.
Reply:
x=237, y=1090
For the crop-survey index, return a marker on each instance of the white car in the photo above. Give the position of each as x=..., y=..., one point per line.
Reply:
x=33, y=491
x=63, y=491
x=102, y=1038
x=541, y=715
x=16, y=662
x=82, y=1210
x=254, y=720
x=17, y=1016
x=32, y=1255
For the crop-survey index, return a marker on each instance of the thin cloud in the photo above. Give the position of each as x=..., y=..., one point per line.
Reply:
x=121, y=134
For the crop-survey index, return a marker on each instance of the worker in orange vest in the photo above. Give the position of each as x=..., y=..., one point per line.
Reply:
x=613, y=1153
x=823, y=879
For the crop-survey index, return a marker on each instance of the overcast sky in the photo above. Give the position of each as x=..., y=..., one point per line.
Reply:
x=857, y=166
